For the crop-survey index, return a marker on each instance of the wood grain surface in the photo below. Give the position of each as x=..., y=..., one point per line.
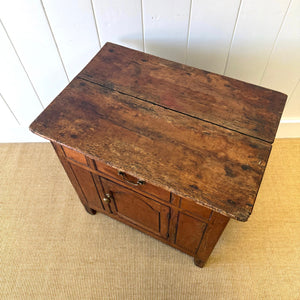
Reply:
x=211, y=165
x=221, y=100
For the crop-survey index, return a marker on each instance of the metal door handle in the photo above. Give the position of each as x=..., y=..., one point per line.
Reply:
x=107, y=198
x=123, y=174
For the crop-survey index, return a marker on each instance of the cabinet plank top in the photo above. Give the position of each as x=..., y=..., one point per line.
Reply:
x=221, y=100
x=184, y=135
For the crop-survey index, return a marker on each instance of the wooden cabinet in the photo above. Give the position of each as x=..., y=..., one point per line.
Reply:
x=178, y=222
x=168, y=149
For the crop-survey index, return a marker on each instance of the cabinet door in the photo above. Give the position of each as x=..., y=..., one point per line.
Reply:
x=145, y=213
x=189, y=232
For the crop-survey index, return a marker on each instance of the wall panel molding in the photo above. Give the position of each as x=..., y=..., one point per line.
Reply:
x=28, y=29
x=16, y=88
x=76, y=36
x=256, y=31
x=120, y=22
x=166, y=25
x=211, y=32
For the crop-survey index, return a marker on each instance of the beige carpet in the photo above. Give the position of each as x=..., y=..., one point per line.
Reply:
x=52, y=249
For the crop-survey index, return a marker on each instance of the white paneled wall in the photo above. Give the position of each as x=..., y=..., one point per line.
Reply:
x=74, y=32
x=212, y=25
x=44, y=44
x=120, y=22
x=258, y=24
x=29, y=33
x=166, y=27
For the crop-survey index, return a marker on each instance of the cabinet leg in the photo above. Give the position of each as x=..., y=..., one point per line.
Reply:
x=198, y=262
x=90, y=210
x=210, y=238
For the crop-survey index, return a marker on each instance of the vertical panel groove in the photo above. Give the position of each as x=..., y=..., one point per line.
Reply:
x=9, y=109
x=96, y=25
x=52, y=34
x=188, y=32
x=232, y=37
x=292, y=92
x=275, y=42
x=143, y=30
x=23, y=67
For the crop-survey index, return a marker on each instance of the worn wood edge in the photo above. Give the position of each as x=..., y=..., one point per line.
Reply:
x=167, y=62
x=262, y=176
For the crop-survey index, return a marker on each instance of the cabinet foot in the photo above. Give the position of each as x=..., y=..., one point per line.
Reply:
x=90, y=210
x=198, y=262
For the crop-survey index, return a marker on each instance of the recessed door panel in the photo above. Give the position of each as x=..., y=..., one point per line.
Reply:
x=144, y=212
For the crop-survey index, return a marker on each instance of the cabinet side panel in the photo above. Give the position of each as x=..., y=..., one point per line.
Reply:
x=88, y=187
x=59, y=151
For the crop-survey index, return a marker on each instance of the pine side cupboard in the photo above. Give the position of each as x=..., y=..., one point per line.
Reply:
x=168, y=149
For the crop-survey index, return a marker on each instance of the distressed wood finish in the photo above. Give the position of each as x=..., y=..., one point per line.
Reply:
x=221, y=100
x=167, y=149
x=213, y=166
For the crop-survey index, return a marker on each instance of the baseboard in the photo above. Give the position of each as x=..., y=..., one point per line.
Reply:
x=289, y=129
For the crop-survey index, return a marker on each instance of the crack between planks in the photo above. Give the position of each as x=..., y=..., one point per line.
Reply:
x=174, y=110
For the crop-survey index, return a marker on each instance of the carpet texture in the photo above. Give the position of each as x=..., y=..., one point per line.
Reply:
x=52, y=249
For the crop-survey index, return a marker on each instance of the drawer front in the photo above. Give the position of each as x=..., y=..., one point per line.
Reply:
x=127, y=179
x=133, y=182
x=195, y=209
x=143, y=212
